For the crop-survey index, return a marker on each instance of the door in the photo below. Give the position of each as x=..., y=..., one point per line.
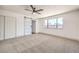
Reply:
x=27, y=26
x=10, y=27
x=33, y=26
x=1, y=27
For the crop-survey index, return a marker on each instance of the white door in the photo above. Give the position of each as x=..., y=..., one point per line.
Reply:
x=19, y=26
x=27, y=26
x=1, y=27
x=10, y=27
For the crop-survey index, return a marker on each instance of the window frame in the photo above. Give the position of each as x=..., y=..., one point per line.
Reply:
x=56, y=23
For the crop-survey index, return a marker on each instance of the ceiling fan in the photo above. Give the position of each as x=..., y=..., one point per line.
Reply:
x=34, y=11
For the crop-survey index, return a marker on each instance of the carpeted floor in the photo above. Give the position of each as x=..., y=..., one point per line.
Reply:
x=39, y=43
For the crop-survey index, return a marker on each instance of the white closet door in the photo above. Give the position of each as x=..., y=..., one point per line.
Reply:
x=20, y=26
x=10, y=27
x=27, y=26
x=1, y=27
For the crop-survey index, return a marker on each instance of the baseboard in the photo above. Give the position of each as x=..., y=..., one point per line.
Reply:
x=12, y=38
x=33, y=33
x=59, y=36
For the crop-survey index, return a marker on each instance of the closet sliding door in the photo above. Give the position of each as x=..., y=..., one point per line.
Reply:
x=1, y=27
x=10, y=27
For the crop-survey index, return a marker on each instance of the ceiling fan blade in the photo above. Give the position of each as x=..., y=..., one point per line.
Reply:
x=32, y=6
x=40, y=10
x=28, y=9
x=38, y=13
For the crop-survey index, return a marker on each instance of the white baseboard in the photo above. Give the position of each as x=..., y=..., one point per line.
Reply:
x=59, y=36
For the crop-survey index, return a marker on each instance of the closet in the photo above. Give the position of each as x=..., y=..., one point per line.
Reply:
x=10, y=27
x=7, y=27
x=1, y=27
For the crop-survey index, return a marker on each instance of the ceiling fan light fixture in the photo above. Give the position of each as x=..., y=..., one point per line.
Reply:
x=34, y=13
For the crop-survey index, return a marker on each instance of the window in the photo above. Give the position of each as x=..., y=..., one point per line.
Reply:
x=51, y=23
x=60, y=23
x=54, y=23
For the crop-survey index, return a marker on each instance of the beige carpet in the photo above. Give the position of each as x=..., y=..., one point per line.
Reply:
x=39, y=43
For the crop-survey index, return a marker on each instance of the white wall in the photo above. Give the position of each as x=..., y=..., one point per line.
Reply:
x=70, y=29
